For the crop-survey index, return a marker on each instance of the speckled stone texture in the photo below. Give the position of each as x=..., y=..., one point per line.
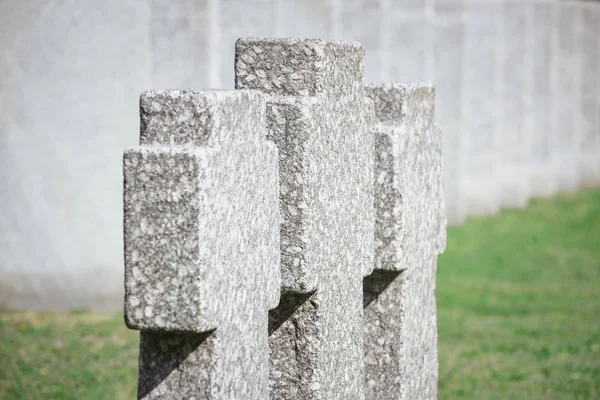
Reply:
x=202, y=244
x=399, y=296
x=317, y=116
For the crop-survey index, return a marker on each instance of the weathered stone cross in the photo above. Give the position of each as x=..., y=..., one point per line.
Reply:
x=399, y=296
x=202, y=244
x=317, y=116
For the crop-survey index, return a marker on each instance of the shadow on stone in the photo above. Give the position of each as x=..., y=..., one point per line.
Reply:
x=288, y=304
x=161, y=353
x=376, y=283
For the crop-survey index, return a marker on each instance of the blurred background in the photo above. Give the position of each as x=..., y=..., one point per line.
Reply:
x=518, y=96
x=517, y=85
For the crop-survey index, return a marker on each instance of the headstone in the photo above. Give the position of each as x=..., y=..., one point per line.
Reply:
x=481, y=106
x=449, y=43
x=513, y=136
x=590, y=92
x=542, y=176
x=201, y=244
x=399, y=296
x=317, y=117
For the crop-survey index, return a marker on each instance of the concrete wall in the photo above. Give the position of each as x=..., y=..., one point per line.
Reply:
x=71, y=75
x=517, y=94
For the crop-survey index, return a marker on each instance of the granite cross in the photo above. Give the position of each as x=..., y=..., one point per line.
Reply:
x=317, y=117
x=202, y=244
x=399, y=296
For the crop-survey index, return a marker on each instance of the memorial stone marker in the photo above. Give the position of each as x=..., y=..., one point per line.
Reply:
x=356, y=175
x=399, y=299
x=318, y=119
x=202, y=244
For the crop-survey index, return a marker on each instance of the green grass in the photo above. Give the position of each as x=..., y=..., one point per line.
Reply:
x=66, y=356
x=518, y=304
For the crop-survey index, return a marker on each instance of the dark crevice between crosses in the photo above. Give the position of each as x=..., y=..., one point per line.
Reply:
x=376, y=283
x=289, y=303
x=163, y=352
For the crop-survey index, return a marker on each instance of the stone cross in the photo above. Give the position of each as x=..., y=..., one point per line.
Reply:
x=317, y=117
x=399, y=296
x=202, y=244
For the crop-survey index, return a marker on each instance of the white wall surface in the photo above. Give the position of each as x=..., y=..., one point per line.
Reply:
x=517, y=94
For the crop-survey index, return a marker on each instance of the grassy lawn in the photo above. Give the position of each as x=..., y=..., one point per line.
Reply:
x=519, y=304
x=519, y=318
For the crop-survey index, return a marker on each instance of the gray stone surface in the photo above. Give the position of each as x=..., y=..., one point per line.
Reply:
x=318, y=119
x=399, y=296
x=201, y=244
x=449, y=50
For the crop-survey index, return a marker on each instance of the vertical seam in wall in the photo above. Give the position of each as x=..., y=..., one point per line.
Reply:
x=429, y=26
x=554, y=48
x=214, y=39
x=577, y=51
x=526, y=96
x=277, y=18
x=597, y=30
x=499, y=67
x=336, y=19
x=149, y=42
x=461, y=167
x=463, y=115
x=384, y=35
